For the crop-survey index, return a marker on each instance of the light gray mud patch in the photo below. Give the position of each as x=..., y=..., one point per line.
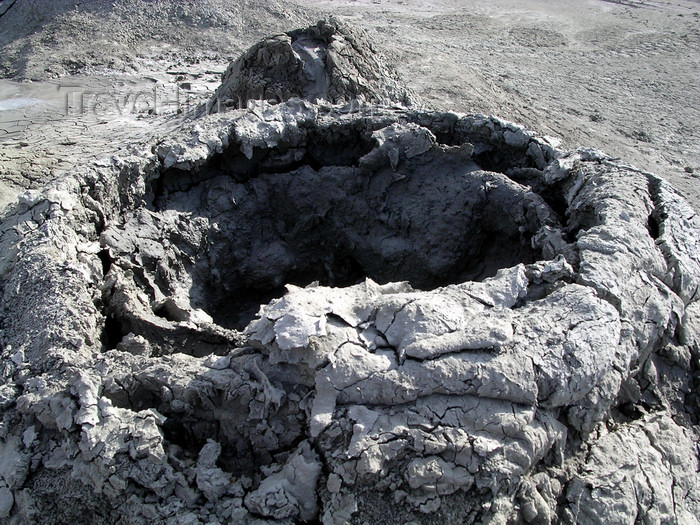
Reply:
x=16, y=103
x=296, y=314
x=313, y=54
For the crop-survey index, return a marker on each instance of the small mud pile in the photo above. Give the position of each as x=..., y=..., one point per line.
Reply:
x=300, y=314
x=330, y=61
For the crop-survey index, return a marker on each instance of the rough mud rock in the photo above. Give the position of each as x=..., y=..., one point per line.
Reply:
x=459, y=324
x=330, y=60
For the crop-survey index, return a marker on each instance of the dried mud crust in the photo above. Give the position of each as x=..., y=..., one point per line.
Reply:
x=43, y=40
x=455, y=342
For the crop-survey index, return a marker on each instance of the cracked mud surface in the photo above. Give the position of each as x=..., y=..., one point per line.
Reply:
x=453, y=343
x=314, y=313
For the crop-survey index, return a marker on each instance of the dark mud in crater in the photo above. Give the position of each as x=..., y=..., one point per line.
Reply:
x=346, y=203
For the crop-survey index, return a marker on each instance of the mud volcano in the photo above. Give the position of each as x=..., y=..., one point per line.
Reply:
x=338, y=202
x=303, y=314
x=331, y=61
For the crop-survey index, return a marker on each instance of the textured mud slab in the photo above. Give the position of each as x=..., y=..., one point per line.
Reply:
x=481, y=328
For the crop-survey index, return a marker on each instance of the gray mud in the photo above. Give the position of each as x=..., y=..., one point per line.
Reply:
x=443, y=335
x=333, y=310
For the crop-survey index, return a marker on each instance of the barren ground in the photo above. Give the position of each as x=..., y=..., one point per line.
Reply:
x=621, y=76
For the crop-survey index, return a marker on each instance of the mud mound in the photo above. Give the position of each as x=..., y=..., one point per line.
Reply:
x=329, y=60
x=452, y=311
